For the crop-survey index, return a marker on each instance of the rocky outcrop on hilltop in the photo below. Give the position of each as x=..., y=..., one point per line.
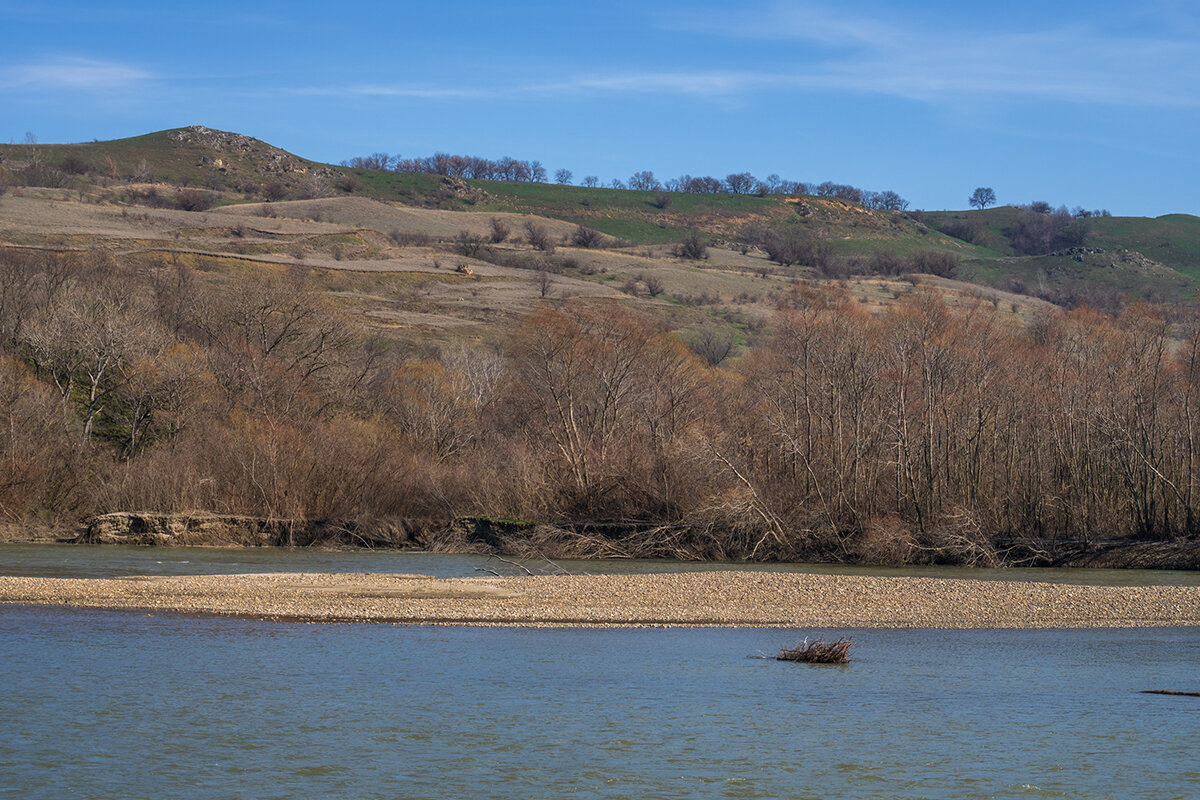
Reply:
x=268, y=158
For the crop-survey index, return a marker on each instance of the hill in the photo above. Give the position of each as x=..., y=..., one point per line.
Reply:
x=425, y=258
x=575, y=370
x=197, y=168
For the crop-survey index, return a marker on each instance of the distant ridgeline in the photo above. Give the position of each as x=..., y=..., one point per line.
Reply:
x=511, y=169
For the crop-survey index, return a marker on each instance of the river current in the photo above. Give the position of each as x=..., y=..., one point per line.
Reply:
x=100, y=704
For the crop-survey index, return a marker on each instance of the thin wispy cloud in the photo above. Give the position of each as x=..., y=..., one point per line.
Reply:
x=937, y=64
x=704, y=84
x=418, y=92
x=810, y=47
x=79, y=74
x=1051, y=66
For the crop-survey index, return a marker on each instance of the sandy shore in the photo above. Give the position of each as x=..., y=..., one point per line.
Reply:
x=704, y=598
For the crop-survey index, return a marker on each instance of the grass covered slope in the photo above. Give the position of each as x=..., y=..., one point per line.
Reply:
x=1157, y=259
x=194, y=156
x=1132, y=257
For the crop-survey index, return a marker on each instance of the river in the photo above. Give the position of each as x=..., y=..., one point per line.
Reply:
x=100, y=704
x=108, y=561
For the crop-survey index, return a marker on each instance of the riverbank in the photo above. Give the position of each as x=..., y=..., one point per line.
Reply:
x=535, y=540
x=686, y=599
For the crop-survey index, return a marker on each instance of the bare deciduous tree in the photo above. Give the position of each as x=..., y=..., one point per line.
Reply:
x=538, y=237
x=644, y=181
x=586, y=237
x=711, y=343
x=982, y=197
x=500, y=229
x=470, y=244
x=693, y=246
x=740, y=182
x=654, y=285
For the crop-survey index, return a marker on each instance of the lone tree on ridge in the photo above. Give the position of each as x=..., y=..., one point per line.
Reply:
x=983, y=197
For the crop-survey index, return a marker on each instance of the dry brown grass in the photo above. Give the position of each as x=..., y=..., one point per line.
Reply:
x=361, y=212
x=349, y=241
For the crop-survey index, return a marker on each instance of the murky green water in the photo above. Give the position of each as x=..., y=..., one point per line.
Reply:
x=123, y=705
x=83, y=561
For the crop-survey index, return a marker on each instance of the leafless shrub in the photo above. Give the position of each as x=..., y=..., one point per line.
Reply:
x=275, y=191
x=538, y=237
x=586, y=237
x=712, y=344
x=886, y=541
x=1038, y=230
x=469, y=244
x=693, y=247
x=195, y=200
x=934, y=262
x=349, y=183
x=39, y=173
x=787, y=246
x=410, y=239
x=74, y=165
x=972, y=231
x=886, y=263
x=818, y=652
x=705, y=298
x=500, y=230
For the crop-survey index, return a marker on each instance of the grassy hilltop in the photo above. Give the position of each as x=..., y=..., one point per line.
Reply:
x=414, y=253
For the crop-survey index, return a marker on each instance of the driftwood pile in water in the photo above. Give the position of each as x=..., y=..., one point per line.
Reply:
x=818, y=652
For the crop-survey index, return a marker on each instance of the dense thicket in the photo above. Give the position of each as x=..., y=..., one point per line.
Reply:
x=916, y=433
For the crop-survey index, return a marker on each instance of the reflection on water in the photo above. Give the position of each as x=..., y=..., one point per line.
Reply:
x=96, y=561
x=120, y=705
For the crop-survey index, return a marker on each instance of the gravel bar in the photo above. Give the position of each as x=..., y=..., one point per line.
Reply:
x=680, y=599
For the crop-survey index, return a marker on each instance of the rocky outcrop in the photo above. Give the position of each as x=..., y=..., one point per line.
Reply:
x=460, y=189
x=268, y=158
x=179, y=530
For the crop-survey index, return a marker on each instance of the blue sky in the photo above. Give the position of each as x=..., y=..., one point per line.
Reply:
x=1086, y=104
